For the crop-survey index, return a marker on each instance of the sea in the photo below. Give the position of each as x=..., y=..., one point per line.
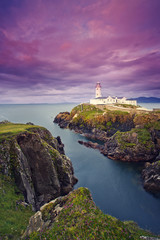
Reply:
x=116, y=187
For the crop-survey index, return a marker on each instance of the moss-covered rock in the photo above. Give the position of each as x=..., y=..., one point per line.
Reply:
x=135, y=145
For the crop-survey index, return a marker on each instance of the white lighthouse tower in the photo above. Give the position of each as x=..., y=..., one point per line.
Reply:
x=98, y=90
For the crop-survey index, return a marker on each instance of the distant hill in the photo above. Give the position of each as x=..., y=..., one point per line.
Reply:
x=147, y=100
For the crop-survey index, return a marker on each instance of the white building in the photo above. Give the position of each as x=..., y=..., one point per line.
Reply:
x=109, y=100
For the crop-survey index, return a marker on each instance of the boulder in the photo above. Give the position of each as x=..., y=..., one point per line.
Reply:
x=151, y=177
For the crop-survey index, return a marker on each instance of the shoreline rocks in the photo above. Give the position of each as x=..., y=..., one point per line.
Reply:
x=126, y=137
x=151, y=177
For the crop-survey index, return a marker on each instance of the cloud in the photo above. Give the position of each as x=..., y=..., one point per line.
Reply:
x=56, y=47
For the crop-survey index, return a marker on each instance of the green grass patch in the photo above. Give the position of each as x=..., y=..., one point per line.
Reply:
x=155, y=125
x=109, y=124
x=8, y=130
x=144, y=136
x=13, y=218
x=126, y=106
x=123, y=141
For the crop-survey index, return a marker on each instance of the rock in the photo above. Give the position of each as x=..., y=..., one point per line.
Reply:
x=77, y=123
x=39, y=221
x=135, y=145
x=36, y=224
x=91, y=145
x=36, y=162
x=60, y=145
x=127, y=136
x=151, y=177
x=4, y=122
x=63, y=119
x=30, y=123
x=149, y=238
x=22, y=203
x=158, y=157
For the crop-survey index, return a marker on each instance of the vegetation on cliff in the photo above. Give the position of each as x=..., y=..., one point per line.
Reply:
x=14, y=212
x=75, y=216
x=102, y=118
x=33, y=169
x=129, y=134
x=9, y=130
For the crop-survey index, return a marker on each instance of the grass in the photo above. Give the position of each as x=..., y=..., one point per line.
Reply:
x=126, y=106
x=144, y=136
x=155, y=125
x=122, y=140
x=13, y=218
x=8, y=130
x=81, y=219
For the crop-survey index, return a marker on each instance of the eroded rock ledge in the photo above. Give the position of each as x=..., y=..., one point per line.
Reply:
x=37, y=163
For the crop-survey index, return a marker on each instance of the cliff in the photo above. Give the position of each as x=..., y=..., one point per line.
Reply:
x=75, y=216
x=127, y=133
x=36, y=162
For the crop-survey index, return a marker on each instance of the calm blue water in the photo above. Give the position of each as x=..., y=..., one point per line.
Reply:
x=115, y=186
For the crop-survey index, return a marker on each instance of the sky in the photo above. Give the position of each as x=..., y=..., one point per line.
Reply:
x=55, y=51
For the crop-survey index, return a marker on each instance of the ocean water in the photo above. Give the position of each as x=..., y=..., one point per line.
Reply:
x=116, y=187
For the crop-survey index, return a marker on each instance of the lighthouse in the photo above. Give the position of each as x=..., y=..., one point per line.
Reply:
x=98, y=90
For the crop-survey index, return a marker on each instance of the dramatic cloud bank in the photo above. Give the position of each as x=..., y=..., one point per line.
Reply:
x=56, y=51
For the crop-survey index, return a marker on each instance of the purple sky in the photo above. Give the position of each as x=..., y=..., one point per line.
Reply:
x=56, y=50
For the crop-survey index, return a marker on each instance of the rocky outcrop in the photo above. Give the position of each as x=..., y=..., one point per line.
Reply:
x=100, y=125
x=46, y=216
x=90, y=144
x=135, y=145
x=36, y=162
x=75, y=216
x=63, y=119
x=131, y=135
x=151, y=177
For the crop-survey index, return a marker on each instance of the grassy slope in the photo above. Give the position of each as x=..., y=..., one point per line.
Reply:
x=8, y=130
x=13, y=217
x=81, y=219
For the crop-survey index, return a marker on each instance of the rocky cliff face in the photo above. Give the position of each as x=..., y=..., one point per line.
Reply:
x=36, y=161
x=127, y=135
x=136, y=145
x=94, y=123
x=151, y=177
